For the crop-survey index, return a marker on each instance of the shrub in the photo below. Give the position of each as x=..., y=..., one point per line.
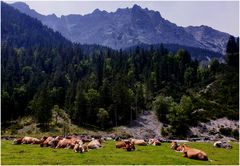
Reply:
x=235, y=134
x=226, y=131
x=164, y=132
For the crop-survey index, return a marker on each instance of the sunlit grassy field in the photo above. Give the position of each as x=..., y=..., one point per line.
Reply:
x=154, y=155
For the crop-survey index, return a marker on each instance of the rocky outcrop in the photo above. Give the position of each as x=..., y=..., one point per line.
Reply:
x=145, y=126
x=212, y=128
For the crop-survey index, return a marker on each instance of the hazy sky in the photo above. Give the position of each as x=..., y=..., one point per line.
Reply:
x=221, y=15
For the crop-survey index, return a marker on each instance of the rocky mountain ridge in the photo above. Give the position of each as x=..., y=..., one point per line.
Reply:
x=128, y=27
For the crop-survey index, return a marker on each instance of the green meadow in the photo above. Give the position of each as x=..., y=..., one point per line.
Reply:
x=143, y=155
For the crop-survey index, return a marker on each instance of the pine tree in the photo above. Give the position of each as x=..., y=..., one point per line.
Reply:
x=232, y=52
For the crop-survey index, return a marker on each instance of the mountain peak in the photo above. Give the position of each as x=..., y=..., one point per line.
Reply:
x=136, y=7
x=206, y=27
x=53, y=16
x=21, y=5
x=24, y=8
x=96, y=11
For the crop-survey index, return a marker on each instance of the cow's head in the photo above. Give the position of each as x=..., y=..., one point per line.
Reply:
x=150, y=141
x=174, y=145
x=83, y=148
x=43, y=138
x=17, y=141
x=130, y=146
x=185, y=148
x=180, y=148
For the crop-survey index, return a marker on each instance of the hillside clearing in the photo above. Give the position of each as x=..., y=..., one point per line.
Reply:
x=34, y=155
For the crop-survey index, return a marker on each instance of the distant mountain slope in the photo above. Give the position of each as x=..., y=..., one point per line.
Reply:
x=196, y=53
x=209, y=37
x=20, y=30
x=128, y=27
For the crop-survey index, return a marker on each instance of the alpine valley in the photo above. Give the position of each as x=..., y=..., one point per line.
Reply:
x=129, y=73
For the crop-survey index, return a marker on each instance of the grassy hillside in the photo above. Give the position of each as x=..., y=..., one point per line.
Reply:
x=33, y=154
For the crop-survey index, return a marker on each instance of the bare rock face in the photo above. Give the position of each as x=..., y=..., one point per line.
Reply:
x=128, y=27
x=212, y=128
x=145, y=126
x=209, y=38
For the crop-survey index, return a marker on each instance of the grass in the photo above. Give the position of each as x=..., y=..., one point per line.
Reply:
x=162, y=155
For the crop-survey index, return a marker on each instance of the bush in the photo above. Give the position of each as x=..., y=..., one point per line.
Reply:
x=164, y=132
x=226, y=131
x=235, y=134
x=123, y=135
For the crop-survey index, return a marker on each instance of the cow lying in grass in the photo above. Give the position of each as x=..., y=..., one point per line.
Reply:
x=140, y=142
x=45, y=141
x=26, y=140
x=154, y=142
x=175, y=146
x=80, y=147
x=54, y=142
x=194, y=153
x=17, y=141
x=94, y=144
x=68, y=143
x=222, y=144
x=125, y=145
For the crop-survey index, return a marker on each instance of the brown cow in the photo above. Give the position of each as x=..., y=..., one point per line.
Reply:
x=79, y=147
x=27, y=140
x=68, y=143
x=130, y=146
x=180, y=149
x=174, y=145
x=125, y=145
x=140, y=142
x=74, y=141
x=194, y=153
x=154, y=142
x=121, y=144
x=53, y=142
x=94, y=144
x=17, y=141
x=45, y=141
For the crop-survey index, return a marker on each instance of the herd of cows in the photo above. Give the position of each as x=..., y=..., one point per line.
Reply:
x=80, y=144
x=69, y=142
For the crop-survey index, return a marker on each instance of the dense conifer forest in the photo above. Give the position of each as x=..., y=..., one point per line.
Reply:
x=99, y=87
